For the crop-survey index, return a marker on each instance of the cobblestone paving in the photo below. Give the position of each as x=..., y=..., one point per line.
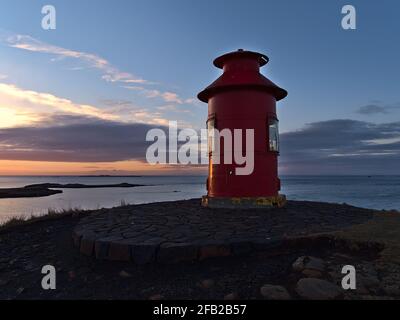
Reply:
x=183, y=230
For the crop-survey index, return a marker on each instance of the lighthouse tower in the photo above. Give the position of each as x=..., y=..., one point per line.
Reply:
x=242, y=98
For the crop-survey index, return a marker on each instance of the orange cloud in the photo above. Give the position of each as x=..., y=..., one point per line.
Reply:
x=21, y=107
x=81, y=168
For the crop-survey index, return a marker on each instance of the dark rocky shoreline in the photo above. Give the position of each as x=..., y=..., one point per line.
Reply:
x=10, y=193
x=47, y=189
x=26, y=248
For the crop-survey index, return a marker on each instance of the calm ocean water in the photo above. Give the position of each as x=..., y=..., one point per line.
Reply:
x=377, y=192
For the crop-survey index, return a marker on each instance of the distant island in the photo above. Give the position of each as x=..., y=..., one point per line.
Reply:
x=108, y=176
x=43, y=189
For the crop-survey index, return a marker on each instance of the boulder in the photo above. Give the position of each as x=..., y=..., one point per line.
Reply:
x=311, y=273
x=231, y=296
x=317, y=289
x=206, y=283
x=308, y=262
x=272, y=292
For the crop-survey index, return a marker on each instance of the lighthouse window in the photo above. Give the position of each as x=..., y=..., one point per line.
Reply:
x=211, y=134
x=273, y=135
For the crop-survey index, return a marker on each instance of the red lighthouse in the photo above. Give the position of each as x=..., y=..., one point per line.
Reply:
x=242, y=98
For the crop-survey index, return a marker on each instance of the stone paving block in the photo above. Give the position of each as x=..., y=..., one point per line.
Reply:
x=177, y=252
x=242, y=248
x=143, y=253
x=101, y=249
x=86, y=246
x=214, y=250
x=76, y=239
x=119, y=252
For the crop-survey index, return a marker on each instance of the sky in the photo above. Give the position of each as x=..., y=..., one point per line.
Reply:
x=79, y=99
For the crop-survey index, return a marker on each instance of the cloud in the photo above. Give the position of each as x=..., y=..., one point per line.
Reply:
x=372, y=109
x=144, y=116
x=167, y=96
x=15, y=101
x=3, y=76
x=75, y=139
x=25, y=107
x=171, y=97
x=376, y=108
x=342, y=147
x=117, y=102
x=328, y=147
x=110, y=73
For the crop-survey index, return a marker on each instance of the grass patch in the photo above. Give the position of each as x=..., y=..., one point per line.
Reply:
x=50, y=215
x=383, y=228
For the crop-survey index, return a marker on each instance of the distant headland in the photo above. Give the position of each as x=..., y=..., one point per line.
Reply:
x=46, y=189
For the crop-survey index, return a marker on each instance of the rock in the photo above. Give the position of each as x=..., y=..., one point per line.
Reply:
x=311, y=273
x=316, y=264
x=156, y=297
x=125, y=274
x=353, y=246
x=232, y=296
x=317, y=289
x=308, y=262
x=299, y=264
x=20, y=290
x=272, y=292
x=207, y=283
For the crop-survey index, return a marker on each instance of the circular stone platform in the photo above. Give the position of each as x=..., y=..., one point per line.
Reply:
x=169, y=232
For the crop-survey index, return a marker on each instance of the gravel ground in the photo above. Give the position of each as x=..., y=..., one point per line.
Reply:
x=25, y=249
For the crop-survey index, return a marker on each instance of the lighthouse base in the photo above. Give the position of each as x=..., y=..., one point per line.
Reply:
x=244, y=202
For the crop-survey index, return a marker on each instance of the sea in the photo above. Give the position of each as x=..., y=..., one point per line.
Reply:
x=375, y=192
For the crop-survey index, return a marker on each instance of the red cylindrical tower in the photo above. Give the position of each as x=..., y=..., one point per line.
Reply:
x=242, y=98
